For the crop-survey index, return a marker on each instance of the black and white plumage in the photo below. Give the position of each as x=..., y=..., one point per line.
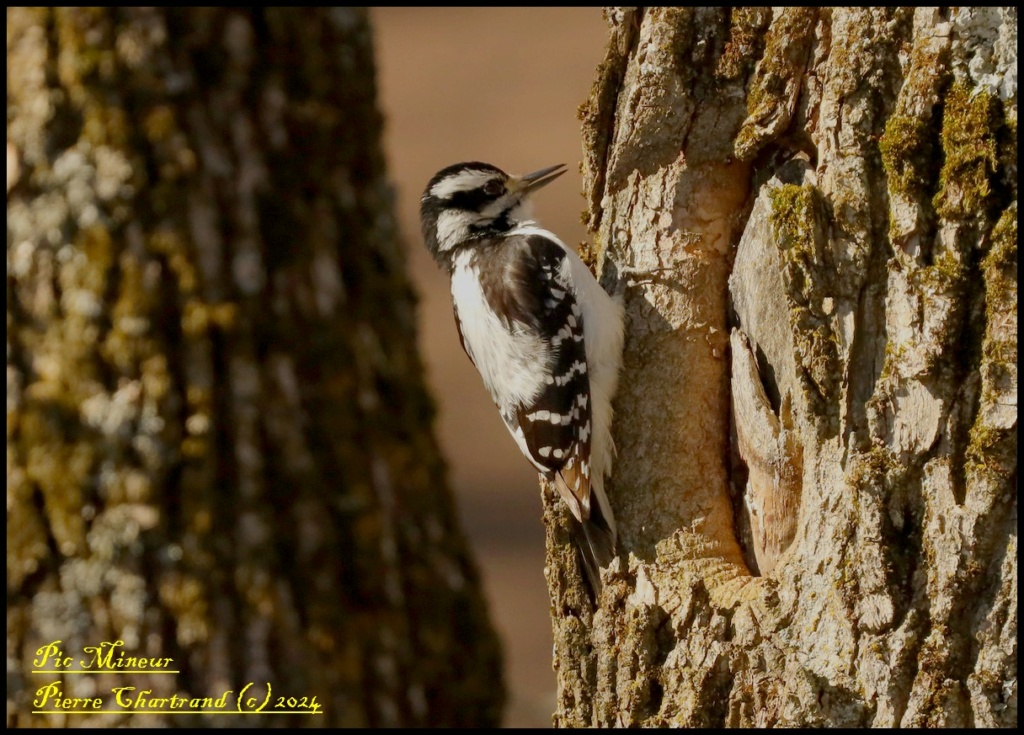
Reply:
x=544, y=335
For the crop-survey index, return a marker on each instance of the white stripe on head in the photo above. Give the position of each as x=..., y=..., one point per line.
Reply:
x=453, y=228
x=511, y=360
x=462, y=181
x=519, y=209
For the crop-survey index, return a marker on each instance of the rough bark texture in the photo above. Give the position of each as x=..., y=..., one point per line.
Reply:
x=837, y=187
x=219, y=440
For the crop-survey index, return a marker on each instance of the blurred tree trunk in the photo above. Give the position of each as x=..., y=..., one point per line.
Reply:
x=839, y=186
x=219, y=439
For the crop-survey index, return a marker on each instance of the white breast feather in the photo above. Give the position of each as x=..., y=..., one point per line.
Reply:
x=513, y=362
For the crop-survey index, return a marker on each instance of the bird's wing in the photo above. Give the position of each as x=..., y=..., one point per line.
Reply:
x=554, y=429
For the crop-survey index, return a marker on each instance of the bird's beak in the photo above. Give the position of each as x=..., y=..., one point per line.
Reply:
x=532, y=182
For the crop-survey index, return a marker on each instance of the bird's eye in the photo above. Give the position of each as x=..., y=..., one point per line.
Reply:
x=493, y=188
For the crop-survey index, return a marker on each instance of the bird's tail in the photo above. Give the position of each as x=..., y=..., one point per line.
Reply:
x=596, y=541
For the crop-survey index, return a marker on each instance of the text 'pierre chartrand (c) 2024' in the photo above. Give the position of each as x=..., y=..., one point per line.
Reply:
x=109, y=657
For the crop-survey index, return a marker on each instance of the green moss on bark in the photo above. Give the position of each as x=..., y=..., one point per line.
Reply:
x=797, y=213
x=771, y=100
x=905, y=149
x=992, y=444
x=745, y=44
x=970, y=123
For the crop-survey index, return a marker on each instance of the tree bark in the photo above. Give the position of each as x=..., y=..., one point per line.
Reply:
x=219, y=438
x=818, y=521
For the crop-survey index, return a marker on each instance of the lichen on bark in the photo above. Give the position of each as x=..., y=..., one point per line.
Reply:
x=219, y=439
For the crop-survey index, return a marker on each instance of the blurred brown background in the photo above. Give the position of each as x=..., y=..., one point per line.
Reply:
x=501, y=86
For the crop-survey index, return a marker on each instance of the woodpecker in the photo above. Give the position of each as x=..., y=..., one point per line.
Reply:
x=543, y=334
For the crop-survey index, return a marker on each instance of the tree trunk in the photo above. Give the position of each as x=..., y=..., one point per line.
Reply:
x=818, y=521
x=219, y=439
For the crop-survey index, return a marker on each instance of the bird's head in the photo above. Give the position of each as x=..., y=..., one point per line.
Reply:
x=468, y=202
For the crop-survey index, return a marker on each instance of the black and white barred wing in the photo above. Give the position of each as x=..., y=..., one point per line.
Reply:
x=522, y=325
x=554, y=428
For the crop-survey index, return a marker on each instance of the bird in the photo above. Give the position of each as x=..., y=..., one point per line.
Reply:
x=544, y=335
